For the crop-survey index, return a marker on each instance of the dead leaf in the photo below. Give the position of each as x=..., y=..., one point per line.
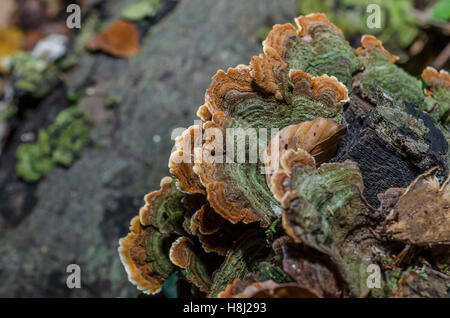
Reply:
x=422, y=214
x=11, y=41
x=120, y=39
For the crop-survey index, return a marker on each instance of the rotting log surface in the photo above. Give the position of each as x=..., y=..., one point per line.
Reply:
x=382, y=165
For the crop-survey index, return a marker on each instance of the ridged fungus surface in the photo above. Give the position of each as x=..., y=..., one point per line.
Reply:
x=350, y=174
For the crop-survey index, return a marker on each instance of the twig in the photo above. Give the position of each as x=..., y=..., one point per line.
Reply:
x=442, y=58
x=399, y=258
x=364, y=293
x=422, y=18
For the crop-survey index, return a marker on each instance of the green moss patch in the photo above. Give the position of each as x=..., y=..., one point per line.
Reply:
x=59, y=144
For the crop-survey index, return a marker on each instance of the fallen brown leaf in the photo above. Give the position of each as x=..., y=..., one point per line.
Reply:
x=120, y=39
x=422, y=214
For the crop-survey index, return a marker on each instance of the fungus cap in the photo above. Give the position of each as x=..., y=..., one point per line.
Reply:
x=369, y=42
x=435, y=79
x=312, y=142
x=133, y=257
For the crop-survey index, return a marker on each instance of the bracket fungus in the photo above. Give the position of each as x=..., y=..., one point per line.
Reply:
x=316, y=140
x=325, y=209
x=314, y=133
x=144, y=254
x=438, y=96
x=164, y=208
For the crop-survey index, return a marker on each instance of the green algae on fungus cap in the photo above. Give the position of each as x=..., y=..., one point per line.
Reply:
x=320, y=193
x=145, y=256
x=215, y=208
x=352, y=16
x=380, y=71
x=145, y=251
x=157, y=240
x=269, y=93
x=321, y=96
x=172, y=211
x=164, y=208
x=243, y=258
x=325, y=209
x=184, y=255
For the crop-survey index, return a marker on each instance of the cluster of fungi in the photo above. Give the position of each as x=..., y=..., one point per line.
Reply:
x=361, y=180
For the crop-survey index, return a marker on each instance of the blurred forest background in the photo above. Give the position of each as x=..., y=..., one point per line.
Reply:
x=86, y=127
